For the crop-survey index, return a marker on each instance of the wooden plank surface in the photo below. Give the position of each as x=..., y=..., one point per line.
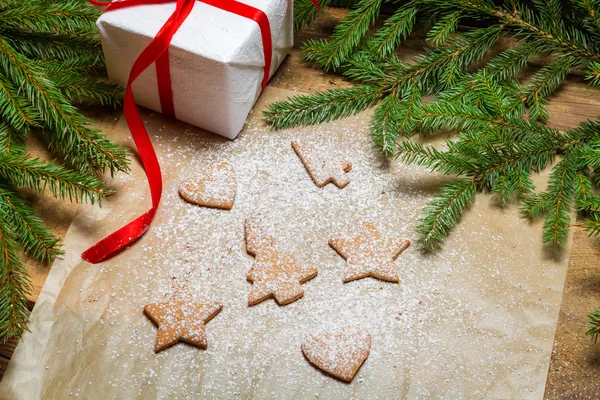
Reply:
x=575, y=364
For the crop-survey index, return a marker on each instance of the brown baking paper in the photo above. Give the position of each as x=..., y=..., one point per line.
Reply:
x=475, y=320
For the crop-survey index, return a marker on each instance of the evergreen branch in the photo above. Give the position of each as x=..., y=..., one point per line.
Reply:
x=594, y=325
x=438, y=34
x=46, y=46
x=543, y=83
x=396, y=29
x=346, y=36
x=305, y=12
x=62, y=183
x=514, y=181
x=11, y=140
x=14, y=108
x=81, y=64
x=593, y=73
x=561, y=192
x=36, y=239
x=444, y=211
x=444, y=114
x=321, y=107
x=440, y=68
x=572, y=43
x=74, y=87
x=592, y=12
x=536, y=205
x=65, y=17
x=510, y=62
x=412, y=106
x=435, y=160
x=551, y=13
x=14, y=286
x=67, y=135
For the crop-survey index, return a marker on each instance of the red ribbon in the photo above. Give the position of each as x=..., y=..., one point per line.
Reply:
x=157, y=52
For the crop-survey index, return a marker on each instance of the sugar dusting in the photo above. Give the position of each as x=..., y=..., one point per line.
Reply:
x=323, y=164
x=274, y=274
x=212, y=186
x=340, y=351
x=452, y=327
x=370, y=254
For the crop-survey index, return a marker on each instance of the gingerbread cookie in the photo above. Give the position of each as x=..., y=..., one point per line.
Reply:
x=323, y=167
x=274, y=274
x=370, y=254
x=181, y=319
x=339, y=353
x=215, y=187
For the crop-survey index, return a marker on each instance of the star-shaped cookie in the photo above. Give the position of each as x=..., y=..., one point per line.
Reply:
x=322, y=166
x=181, y=319
x=370, y=254
x=274, y=274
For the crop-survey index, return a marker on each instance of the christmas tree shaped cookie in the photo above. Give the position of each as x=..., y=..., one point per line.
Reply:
x=214, y=186
x=181, y=319
x=340, y=352
x=370, y=254
x=322, y=166
x=274, y=274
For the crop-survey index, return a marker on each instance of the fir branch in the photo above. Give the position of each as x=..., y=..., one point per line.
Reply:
x=510, y=62
x=569, y=41
x=62, y=183
x=445, y=162
x=67, y=135
x=395, y=29
x=11, y=140
x=37, y=240
x=305, y=12
x=65, y=17
x=92, y=63
x=385, y=122
x=551, y=13
x=48, y=47
x=346, y=36
x=593, y=73
x=321, y=107
x=444, y=211
x=592, y=11
x=440, y=68
x=561, y=192
x=438, y=34
x=14, y=108
x=15, y=286
x=543, y=83
x=594, y=325
x=74, y=87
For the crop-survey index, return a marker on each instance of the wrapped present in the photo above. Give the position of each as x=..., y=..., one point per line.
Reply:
x=204, y=62
x=215, y=61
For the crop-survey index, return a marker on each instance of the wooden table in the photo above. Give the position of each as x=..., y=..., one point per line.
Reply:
x=575, y=365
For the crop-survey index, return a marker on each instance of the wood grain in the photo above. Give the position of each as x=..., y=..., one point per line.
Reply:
x=575, y=364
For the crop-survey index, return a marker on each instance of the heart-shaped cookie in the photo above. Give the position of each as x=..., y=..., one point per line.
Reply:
x=215, y=186
x=340, y=353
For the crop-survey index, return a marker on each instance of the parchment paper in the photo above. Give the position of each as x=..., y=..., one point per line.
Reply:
x=475, y=320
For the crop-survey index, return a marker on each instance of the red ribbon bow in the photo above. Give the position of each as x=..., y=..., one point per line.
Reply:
x=157, y=52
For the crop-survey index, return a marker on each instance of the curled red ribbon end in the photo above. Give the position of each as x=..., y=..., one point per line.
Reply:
x=157, y=52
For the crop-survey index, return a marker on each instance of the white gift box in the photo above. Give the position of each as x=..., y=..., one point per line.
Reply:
x=215, y=58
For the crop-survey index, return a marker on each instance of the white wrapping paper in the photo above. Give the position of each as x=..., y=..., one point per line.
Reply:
x=216, y=59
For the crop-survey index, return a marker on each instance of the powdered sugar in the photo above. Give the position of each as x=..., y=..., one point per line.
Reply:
x=475, y=320
x=211, y=186
x=339, y=352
